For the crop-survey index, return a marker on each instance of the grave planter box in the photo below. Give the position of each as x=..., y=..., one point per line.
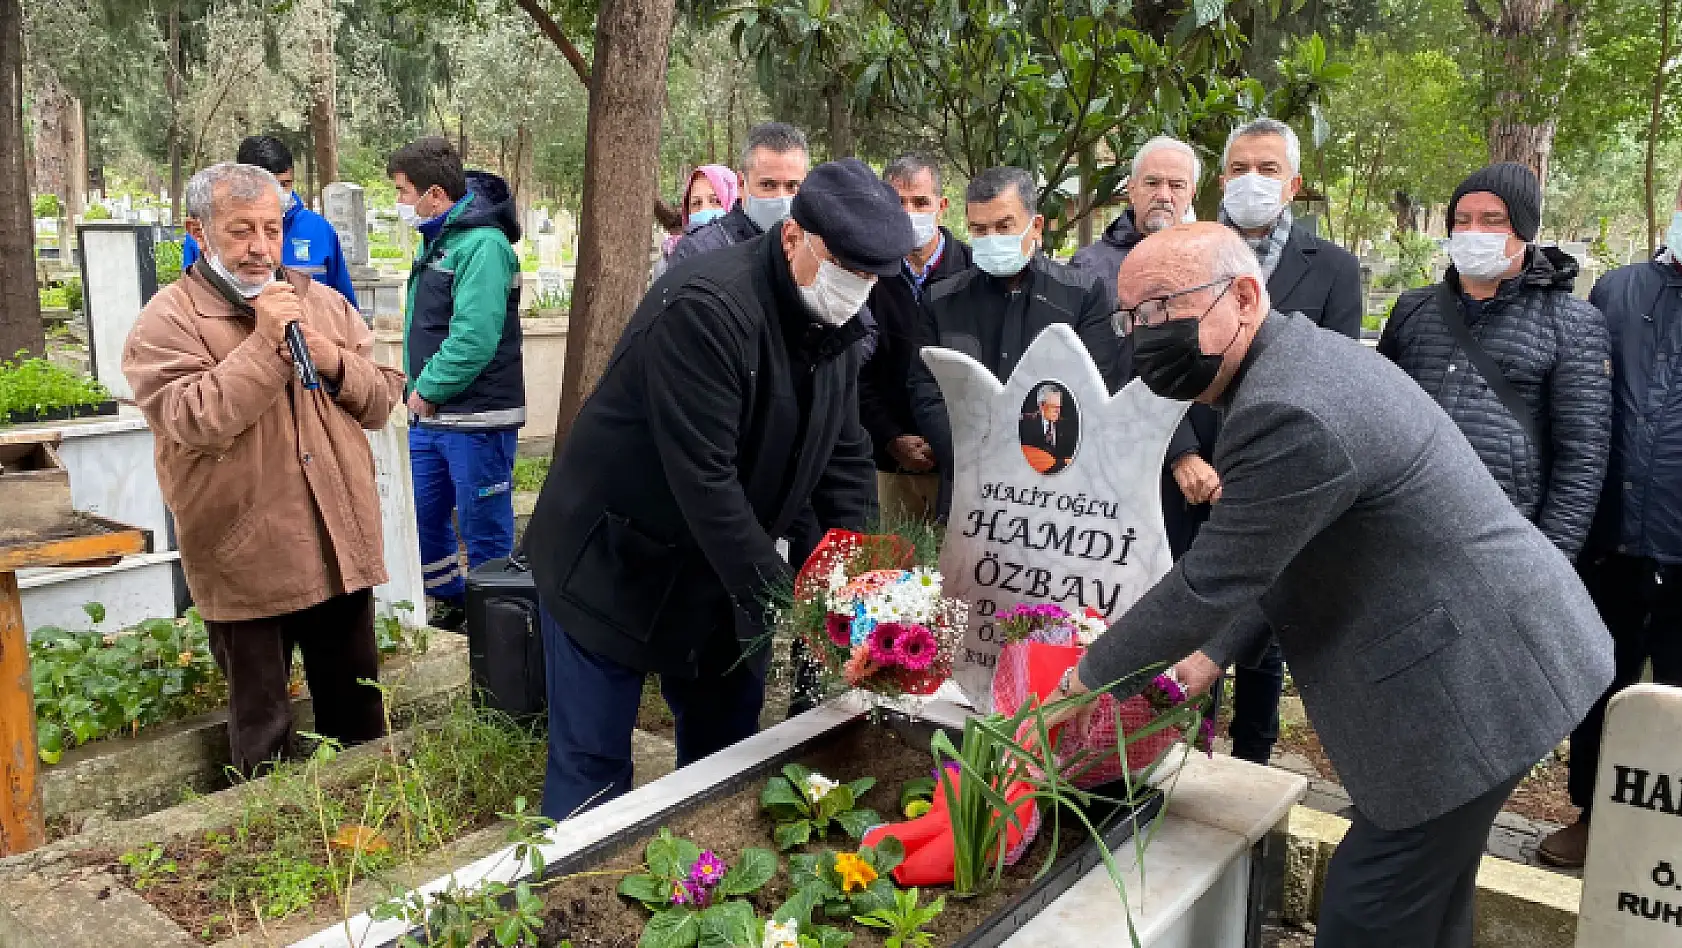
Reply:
x=1199, y=881
x=34, y=485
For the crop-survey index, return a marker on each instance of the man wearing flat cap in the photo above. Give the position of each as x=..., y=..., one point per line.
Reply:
x=730, y=403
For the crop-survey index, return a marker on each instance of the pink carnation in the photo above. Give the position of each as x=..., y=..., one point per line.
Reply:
x=916, y=648
x=840, y=629
x=884, y=643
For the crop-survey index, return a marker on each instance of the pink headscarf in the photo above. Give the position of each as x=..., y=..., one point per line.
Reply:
x=723, y=181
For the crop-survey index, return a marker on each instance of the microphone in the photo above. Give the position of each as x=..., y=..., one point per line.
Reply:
x=301, y=360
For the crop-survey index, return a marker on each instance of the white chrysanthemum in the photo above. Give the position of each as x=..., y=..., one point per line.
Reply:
x=818, y=786
x=781, y=934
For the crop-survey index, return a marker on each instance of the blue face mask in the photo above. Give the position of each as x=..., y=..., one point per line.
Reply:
x=1673, y=235
x=704, y=216
x=1001, y=254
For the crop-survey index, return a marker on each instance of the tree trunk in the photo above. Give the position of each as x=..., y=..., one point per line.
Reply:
x=324, y=115
x=1654, y=127
x=1531, y=43
x=1083, y=204
x=621, y=182
x=20, y=302
x=840, y=121
x=172, y=86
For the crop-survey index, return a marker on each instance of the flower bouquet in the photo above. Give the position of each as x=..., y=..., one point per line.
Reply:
x=873, y=617
x=1041, y=642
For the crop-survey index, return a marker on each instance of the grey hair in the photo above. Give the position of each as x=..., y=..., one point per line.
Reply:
x=989, y=184
x=1267, y=126
x=1046, y=393
x=242, y=183
x=1169, y=143
x=776, y=137
x=907, y=167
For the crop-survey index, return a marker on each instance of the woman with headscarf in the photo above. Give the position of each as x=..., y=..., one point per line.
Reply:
x=709, y=195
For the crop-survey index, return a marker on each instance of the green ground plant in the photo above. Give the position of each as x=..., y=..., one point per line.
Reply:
x=804, y=804
x=904, y=920
x=35, y=384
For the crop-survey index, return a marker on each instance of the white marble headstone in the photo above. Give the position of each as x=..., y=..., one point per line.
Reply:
x=1632, y=884
x=1086, y=532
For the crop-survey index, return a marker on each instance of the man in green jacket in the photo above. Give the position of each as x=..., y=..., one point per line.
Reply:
x=461, y=351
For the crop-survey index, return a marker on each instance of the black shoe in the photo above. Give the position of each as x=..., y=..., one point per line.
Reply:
x=446, y=616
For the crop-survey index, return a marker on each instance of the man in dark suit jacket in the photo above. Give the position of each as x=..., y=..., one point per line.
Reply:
x=1441, y=643
x=1047, y=430
x=906, y=479
x=729, y=405
x=1307, y=275
x=994, y=311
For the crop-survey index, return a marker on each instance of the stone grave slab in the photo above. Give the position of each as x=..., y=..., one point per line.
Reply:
x=1632, y=883
x=1056, y=494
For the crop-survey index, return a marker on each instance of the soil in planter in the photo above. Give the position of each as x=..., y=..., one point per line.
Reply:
x=274, y=859
x=590, y=914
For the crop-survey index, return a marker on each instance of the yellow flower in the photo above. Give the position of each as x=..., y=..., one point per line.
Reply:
x=855, y=873
x=917, y=808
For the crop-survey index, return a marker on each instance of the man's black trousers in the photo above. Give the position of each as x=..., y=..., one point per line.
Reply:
x=1408, y=888
x=1641, y=603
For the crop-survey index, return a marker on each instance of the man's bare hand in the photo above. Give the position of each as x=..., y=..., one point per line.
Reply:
x=329, y=358
x=421, y=406
x=913, y=453
x=1197, y=673
x=1197, y=480
x=276, y=306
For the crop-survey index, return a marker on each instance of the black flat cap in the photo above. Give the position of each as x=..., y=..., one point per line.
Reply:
x=857, y=214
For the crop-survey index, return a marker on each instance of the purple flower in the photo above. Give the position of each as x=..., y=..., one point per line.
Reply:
x=916, y=648
x=708, y=870
x=884, y=643
x=1207, y=734
x=681, y=894
x=1170, y=689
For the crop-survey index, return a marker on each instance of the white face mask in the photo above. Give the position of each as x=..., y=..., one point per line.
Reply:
x=766, y=212
x=1673, y=236
x=1190, y=216
x=1253, y=200
x=408, y=215
x=923, y=228
x=837, y=294
x=1001, y=255
x=248, y=290
x=1478, y=255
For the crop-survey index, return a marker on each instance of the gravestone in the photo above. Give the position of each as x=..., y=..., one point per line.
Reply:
x=119, y=276
x=1056, y=493
x=345, y=207
x=1632, y=883
x=549, y=254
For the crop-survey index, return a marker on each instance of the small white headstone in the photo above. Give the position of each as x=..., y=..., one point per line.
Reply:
x=1632, y=884
x=1065, y=509
x=345, y=206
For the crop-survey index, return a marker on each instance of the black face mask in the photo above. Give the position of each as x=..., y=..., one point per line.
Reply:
x=1171, y=361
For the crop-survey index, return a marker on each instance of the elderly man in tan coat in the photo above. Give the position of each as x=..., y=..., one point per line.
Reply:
x=271, y=483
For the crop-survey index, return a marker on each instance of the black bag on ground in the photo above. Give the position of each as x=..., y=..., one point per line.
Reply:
x=504, y=638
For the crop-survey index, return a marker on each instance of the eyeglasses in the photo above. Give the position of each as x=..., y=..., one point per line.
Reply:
x=1154, y=311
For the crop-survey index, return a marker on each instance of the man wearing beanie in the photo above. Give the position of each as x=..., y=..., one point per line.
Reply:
x=1521, y=365
x=729, y=405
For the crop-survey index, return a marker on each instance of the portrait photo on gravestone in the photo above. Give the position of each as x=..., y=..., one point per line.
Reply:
x=1050, y=428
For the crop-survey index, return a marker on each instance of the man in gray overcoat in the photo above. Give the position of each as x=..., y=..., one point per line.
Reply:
x=1441, y=643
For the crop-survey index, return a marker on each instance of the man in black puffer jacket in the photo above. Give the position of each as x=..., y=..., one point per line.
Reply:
x=1515, y=301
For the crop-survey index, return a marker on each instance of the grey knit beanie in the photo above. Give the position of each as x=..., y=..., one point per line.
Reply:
x=1516, y=186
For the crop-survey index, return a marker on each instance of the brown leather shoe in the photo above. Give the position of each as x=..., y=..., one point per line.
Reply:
x=1566, y=848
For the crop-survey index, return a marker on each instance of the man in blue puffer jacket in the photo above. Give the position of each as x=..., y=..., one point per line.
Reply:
x=309, y=244
x=1632, y=563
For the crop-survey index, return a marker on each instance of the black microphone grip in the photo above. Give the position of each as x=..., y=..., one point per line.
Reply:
x=301, y=356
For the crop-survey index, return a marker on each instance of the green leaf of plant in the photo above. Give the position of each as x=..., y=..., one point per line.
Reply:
x=830, y=937
x=646, y=889
x=753, y=868
x=855, y=822
x=800, y=905
x=796, y=775
x=877, y=897
x=861, y=786
x=508, y=931
x=922, y=788
x=672, y=928
x=802, y=868
x=887, y=855
x=780, y=793
x=730, y=925
x=687, y=854
x=1207, y=10
x=790, y=835
x=662, y=857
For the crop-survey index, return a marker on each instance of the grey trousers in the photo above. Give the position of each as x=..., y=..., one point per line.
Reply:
x=1408, y=888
